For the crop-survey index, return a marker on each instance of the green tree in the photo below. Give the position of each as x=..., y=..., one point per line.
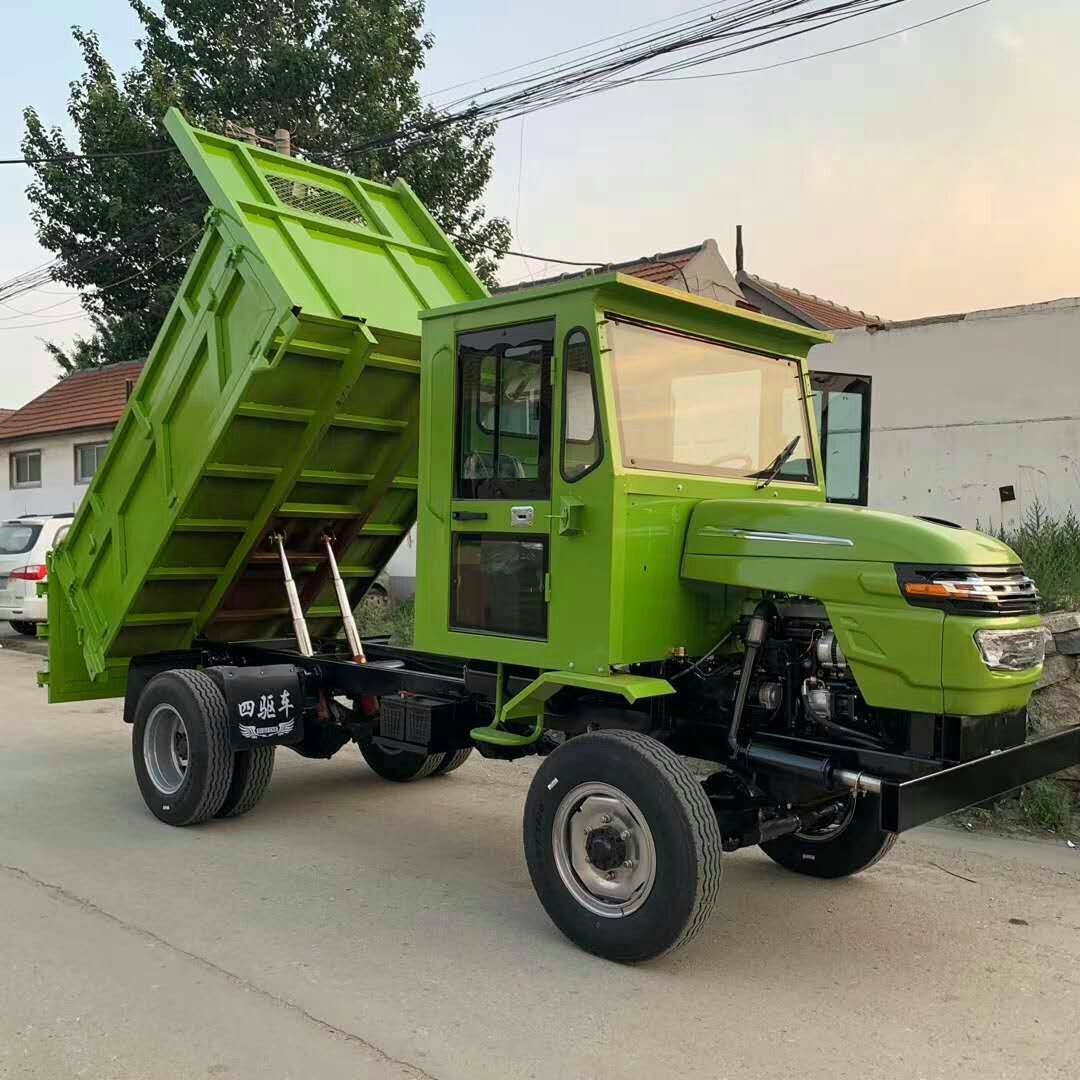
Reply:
x=335, y=73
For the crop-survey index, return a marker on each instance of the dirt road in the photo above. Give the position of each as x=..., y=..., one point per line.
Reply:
x=353, y=928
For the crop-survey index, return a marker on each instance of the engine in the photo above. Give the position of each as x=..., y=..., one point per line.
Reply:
x=791, y=678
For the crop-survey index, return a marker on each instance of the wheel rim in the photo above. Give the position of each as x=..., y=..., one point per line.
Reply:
x=831, y=829
x=604, y=850
x=165, y=749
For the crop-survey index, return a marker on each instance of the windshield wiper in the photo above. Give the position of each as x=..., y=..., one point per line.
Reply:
x=769, y=473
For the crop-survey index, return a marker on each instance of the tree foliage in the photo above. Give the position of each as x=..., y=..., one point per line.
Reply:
x=335, y=73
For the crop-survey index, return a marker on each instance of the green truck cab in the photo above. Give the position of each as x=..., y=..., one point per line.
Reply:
x=626, y=563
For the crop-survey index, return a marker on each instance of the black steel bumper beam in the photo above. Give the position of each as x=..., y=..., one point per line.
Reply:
x=909, y=803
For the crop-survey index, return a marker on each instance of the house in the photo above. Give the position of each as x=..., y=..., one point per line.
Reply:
x=53, y=445
x=976, y=416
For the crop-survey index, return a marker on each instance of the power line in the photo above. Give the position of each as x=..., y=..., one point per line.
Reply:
x=824, y=52
x=105, y=155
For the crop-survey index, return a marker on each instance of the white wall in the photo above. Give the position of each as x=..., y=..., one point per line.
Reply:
x=58, y=493
x=964, y=406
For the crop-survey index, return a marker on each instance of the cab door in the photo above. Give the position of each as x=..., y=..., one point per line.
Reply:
x=501, y=506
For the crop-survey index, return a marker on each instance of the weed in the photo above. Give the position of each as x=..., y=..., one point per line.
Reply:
x=1049, y=548
x=1047, y=804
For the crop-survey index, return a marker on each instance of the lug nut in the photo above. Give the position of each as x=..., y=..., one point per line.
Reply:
x=629, y=864
x=605, y=819
x=625, y=834
x=610, y=875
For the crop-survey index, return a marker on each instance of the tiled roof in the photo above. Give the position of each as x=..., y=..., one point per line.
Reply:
x=819, y=312
x=657, y=268
x=85, y=399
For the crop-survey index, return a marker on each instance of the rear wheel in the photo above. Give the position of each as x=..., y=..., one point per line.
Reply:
x=21, y=626
x=452, y=760
x=180, y=747
x=622, y=845
x=400, y=766
x=252, y=770
x=846, y=844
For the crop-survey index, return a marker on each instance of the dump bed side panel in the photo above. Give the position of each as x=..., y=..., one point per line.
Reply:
x=281, y=396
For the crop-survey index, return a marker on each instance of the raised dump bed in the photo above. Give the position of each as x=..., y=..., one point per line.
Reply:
x=281, y=396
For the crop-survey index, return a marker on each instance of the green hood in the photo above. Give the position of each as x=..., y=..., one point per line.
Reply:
x=776, y=528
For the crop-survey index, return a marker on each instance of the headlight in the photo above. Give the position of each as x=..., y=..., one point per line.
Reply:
x=1011, y=650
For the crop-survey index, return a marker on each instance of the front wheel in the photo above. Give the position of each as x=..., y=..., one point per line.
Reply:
x=21, y=626
x=622, y=845
x=848, y=843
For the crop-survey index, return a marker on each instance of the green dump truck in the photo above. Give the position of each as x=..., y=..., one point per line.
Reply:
x=625, y=560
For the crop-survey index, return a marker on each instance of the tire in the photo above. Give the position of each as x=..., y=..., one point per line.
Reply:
x=659, y=815
x=21, y=626
x=185, y=780
x=452, y=760
x=252, y=770
x=400, y=766
x=851, y=847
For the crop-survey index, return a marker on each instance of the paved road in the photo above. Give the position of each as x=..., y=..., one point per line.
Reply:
x=354, y=928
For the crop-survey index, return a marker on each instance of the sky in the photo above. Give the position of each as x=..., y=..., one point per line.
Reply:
x=933, y=172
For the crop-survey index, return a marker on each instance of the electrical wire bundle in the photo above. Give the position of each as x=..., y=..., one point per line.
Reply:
x=662, y=50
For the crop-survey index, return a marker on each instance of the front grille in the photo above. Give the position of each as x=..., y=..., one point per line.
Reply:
x=981, y=590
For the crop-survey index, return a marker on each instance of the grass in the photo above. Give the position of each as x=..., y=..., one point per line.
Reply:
x=1045, y=807
x=1047, y=804
x=1049, y=548
x=377, y=616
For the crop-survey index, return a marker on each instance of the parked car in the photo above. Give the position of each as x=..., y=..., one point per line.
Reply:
x=24, y=544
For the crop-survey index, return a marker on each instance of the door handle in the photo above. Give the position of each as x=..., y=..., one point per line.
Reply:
x=469, y=515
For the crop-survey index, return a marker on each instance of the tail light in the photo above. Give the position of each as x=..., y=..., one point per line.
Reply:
x=36, y=572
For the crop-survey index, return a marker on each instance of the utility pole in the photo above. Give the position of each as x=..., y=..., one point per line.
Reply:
x=283, y=141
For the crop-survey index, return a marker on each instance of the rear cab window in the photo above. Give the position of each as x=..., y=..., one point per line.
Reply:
x=18, y=537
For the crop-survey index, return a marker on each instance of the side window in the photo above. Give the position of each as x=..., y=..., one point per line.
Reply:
x=88, y=459
x=25, y=468
x=582, y=443
x=498, y=584
x=842, y=409
x=504, y=412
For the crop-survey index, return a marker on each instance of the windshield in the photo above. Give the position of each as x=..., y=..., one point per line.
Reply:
x=686, y=405
x=17, y=537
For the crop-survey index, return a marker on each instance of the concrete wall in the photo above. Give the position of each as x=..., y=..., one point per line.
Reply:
x=964, y=405
x=58, y=493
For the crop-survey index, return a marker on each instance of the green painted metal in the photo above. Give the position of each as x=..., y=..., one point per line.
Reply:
x=282, y=394
x=529, y=703
x=616, y=595
x=644, y=562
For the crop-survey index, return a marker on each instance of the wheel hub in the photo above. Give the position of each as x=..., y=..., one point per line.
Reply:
x=165, y=749
x=604, y=850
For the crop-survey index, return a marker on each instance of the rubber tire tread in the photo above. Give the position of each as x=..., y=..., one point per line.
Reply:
x=252, y=772
x=704, y=830
x=219, y=766
x=862, y=844
x=452, y=760
x=382, y=765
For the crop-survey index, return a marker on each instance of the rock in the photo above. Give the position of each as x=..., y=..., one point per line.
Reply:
x=1056, y=669
x=1067, y=643
x=1054, y=708
x=1062, y=622
x=1051, y=641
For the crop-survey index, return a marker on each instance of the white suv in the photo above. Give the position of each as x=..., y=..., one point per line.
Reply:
x=23, y=545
